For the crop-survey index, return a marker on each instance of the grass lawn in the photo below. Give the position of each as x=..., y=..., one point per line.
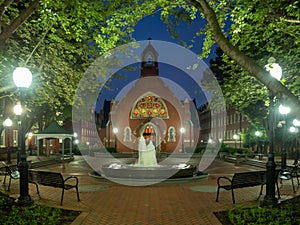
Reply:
x=285, y=213
x=33, y=215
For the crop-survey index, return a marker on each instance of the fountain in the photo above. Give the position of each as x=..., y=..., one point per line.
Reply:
x=146, y=170
x=147, y=154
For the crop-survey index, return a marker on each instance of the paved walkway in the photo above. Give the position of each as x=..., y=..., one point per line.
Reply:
x=107, y=203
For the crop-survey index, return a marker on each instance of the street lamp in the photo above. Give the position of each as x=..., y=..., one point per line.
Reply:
x=294, y=129
x=115, y=131
x=257, y=134
x=8, y=123
x=276, y=72
x=235, y=137
x=296, y=122
x=283, y=110
x=18, y=112
x=22, y=78
x=182, y=131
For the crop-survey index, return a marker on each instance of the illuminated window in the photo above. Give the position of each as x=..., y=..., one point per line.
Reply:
x=127, y=134
x=149, y=106
x=171, y=134
x=149, y=61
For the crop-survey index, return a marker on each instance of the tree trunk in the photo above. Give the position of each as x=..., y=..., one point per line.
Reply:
x=276, y=87
x=24, y=15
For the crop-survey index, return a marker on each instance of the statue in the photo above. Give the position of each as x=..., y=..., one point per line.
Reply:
x=147, y=153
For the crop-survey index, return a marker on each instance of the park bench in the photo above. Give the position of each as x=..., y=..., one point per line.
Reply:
x=289, y=173
x=243, y=180
x=12, y=172
x=53, y=179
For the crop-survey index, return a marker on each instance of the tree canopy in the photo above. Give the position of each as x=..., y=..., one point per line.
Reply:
x=54, y=38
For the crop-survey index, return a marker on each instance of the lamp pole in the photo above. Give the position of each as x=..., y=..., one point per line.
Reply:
x=283, y=110
x=115, y=131
x=257, y=134
x=22, y=78
x=8, y=123
x=275, y=71
x=18, y=111
x=235, y=137
x=182, y=131
x=296, y=123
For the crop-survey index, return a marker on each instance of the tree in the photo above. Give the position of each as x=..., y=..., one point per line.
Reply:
x=111, y=23
x=248, y=13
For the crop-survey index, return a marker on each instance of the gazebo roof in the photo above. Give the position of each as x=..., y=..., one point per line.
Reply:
x=54, y=131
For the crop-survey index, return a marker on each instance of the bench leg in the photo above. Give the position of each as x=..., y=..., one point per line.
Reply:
x=37, y=189
x=261, y=190
x=4, y=178
x=232, y=193
x=9, y=184
x=293, y=184
x=218, y=191
x=77, y=194
x=278, y=192
x=62, y=196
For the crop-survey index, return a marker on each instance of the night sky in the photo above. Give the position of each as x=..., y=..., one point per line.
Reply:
x=152, y=27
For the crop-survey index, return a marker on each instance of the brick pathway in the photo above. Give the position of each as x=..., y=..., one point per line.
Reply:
x=107, y=203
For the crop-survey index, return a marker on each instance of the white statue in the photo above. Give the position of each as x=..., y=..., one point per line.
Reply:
x=147, y=153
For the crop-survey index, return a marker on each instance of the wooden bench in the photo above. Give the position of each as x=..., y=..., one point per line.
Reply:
x=242, y=180
x=12, y=172
x=53, y=179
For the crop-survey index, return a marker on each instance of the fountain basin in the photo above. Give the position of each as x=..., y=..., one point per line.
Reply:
x=132, y=171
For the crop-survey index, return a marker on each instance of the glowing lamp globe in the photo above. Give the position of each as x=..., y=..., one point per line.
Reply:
x=274, y=69
x=7, y=122
x=22, y=77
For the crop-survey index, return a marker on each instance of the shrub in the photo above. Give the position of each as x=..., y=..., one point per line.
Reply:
x=33, y=215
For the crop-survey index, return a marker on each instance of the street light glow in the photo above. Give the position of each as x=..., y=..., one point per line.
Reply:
x=18, y=109
x=7, y=122
x=284, y=110
x=293, y=129
x=274, y=69
x=235, y=136
x=182, y=130
x=115, y=130
x=258, y=133
x=296, y=123
x=22, y=77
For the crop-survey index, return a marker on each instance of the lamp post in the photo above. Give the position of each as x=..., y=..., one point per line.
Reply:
x=276, y=72
x=8, y=123
x=257, y=134
x=182, y=131
x=18, y=111
x=235, y=137
x=22, y=78
x=283, y=110
x=296, y=123
x=115, y=131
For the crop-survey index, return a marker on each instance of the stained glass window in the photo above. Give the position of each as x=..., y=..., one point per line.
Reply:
x=149, y=106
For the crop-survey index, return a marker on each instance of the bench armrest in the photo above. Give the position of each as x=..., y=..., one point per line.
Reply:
x=72, y=177
x=220, y=179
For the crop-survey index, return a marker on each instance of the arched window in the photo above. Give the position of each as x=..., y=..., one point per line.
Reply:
x=127, y=134
x=171, y=134
x=149, y=106
x=149, y=59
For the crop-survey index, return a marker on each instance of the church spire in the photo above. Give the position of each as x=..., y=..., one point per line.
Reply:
x=149, y=61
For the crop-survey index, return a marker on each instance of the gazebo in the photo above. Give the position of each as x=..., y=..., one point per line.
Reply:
x=54, y=131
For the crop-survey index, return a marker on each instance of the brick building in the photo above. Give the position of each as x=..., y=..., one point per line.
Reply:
x=150, y=109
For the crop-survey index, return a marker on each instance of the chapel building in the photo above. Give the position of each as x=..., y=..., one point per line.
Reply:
x=152, y=110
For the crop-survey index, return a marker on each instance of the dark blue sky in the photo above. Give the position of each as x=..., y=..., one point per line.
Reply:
x=152, y=26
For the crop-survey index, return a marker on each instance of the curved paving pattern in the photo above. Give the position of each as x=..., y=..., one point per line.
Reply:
x=107, y=203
